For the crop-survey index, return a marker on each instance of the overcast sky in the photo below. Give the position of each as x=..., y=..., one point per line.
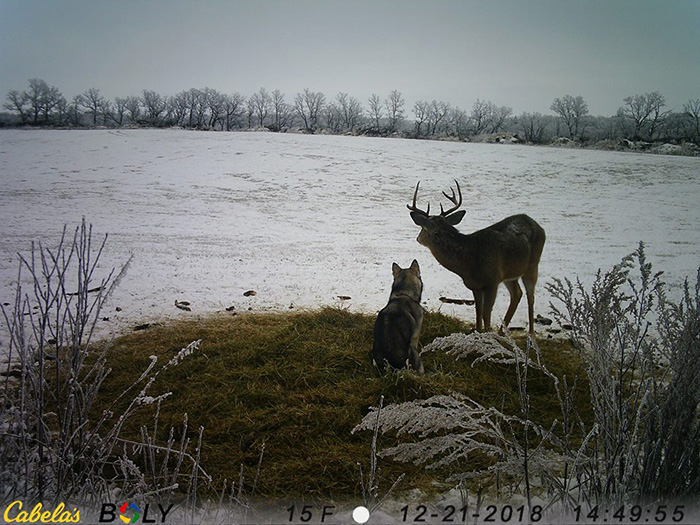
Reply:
x=517, y=53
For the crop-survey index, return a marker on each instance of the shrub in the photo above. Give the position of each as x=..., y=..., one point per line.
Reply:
x=52, y=447
x=642, y=357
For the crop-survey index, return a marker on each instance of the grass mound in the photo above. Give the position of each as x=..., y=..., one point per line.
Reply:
x=300, y=382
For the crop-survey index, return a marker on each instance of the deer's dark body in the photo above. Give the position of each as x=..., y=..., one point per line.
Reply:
x=501, y=253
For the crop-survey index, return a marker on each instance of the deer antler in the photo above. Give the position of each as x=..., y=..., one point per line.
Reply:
x=457, y=201
x=413, y=206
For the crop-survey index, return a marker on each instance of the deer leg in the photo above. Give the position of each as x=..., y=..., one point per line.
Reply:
x=479, y=305
x=529, y=283
x=515, y=294
x=489, y=300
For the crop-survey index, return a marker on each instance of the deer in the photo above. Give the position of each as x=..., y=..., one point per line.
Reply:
x=501, y=253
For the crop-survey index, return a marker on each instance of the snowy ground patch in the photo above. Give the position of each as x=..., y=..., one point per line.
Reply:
x=304, y=219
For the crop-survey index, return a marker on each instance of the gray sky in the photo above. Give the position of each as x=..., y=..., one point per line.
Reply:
x=518, y=53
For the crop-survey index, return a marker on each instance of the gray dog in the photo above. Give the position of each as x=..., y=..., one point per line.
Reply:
x=398, y=324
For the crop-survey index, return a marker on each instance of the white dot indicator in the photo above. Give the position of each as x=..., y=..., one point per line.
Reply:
x=360, y=515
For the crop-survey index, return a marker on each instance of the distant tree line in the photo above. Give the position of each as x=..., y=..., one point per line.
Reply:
x=641, y=118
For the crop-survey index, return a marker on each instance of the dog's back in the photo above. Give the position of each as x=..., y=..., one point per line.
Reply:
x=398, y=324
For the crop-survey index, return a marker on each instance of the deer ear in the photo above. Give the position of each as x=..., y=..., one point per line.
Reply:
x=415, y=267
x=455, y=218
x=420, y=220
x=395, y=269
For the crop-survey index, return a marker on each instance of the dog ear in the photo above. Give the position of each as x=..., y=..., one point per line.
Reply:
x=395, y=269
x=415, y=267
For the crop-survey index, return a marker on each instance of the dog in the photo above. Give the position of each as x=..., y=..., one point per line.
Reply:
x=398, y=324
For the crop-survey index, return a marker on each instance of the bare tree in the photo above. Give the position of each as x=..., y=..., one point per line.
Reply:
x=132, y=105
x=34, y=96
x=119, y=110
x=49, y=99
x=332, y=114
x=250, y=113
x=281, y=111
x=17, y=101
x=181, y=108
x=178, y=108
x=394, y=109
x=500, y=116
x=573, y=111
x=155, y=105
x=482, y=116
x=644, y=114
x=73, y=116
x=197, y=108
x=308, y=106
x=460, y=123
x=92, y=101
x=675, y=127
x=533, y=126
x=603, y=128
x=233, y=110
x=61, y=113
x=214, y=105
x=486, y=117
x=260, y=102
x=420, y=110
x=692, y=112
x=375, y=111
x=349, y=111
x=340, y=106
x=437, y=111
x=107, y=112
x=36, y=105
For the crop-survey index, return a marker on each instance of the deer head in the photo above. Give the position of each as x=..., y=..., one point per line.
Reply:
x=432, y=226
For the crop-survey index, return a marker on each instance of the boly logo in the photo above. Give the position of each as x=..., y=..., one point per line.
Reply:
x=135, y=517
x=132, y=513
x=15, y=514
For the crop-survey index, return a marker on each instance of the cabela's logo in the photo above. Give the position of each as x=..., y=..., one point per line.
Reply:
x=14, y=513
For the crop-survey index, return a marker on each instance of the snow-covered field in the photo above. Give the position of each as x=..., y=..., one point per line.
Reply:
x=303, y=219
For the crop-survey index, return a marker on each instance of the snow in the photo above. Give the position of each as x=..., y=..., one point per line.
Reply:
x=303, y=219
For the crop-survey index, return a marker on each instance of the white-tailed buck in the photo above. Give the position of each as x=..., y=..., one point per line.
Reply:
x=501, y=253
